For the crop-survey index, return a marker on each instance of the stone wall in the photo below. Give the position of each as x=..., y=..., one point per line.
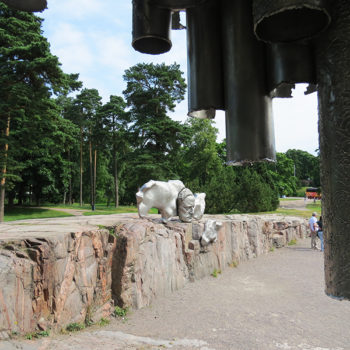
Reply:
x=155, y=259
x=51, y=278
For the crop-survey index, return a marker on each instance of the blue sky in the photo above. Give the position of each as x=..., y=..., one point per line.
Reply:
x=93, y=38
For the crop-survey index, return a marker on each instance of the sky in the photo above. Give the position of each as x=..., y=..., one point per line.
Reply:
x=93, y=38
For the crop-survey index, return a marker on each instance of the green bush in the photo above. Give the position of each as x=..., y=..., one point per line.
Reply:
x=255, y=194
x=74, y=327
x=120, y=312
x=301, y=192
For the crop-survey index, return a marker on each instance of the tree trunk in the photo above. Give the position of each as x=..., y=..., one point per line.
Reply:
x=91, y=176
x=115, y=170
x=81, y=166
x=115, y=175
x=3, y=172
x=64, y=197
x=11, y=198
x=333, y=74
x=70, y=180
x=95, y=171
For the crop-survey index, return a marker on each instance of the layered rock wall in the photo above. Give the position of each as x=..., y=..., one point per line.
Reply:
x=49, y=283
x=160, y=258
x=48, y=279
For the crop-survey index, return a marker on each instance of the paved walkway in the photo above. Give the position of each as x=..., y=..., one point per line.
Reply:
x=273, y=302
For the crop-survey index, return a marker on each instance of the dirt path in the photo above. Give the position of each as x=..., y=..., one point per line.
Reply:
x=75, y=212
x=299, y=204
x=273, y=302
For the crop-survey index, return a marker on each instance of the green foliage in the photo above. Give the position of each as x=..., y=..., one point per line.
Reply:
x=37, y=335
x=120, y=312
x=104, y=322
x=215, y=273
x=21, y=213
x=75, y=327
x=307, y=167
x=301, y=192
x=151, y=92
x=29, y=76
x=283, y=174
x=255, y=194
x=233, y=264
x=292, y=242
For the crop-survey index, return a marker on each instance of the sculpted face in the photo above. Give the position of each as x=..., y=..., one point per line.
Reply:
x=186, y=202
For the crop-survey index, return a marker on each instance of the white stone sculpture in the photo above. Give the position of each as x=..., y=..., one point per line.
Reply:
x=171, y=198
x=161, y=195
x=185, y=205
x=199, y=206
x=210, y=234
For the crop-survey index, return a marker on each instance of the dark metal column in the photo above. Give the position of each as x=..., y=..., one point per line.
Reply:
x=177, y=4
x=151, y=28
x=249, y=120
x=204, y=58
x=288, y=64
x=333, y=70
x=289, y=20
x=27, y=5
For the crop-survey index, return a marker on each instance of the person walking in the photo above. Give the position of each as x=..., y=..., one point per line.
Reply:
x=313, y=228
x=320, y=233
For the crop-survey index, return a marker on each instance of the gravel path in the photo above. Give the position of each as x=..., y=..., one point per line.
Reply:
x=296, y=204
x=273, y=302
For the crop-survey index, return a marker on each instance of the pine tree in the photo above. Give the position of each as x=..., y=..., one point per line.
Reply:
x=29, y=74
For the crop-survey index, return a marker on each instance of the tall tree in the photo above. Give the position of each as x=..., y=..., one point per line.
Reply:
x=307, y=166
x=201, y=159
x=115, y=120
x=28, y=72
x=152, y=91
x=87, y=104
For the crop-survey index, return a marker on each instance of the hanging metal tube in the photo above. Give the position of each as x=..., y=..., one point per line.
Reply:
x=27, y=5
x=204, y=59
x=177, y=4
x=288, y=64
x=151, y=28
x=289, y=20
x=249, y=120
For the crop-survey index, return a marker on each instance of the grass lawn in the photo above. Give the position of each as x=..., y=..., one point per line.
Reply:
x=100, y=209
x=22, y=213
x=290, y=199
x=104, y=210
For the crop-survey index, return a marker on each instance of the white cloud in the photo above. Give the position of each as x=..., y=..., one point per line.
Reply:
x=296, y=121
x=75, y=9
x=72, y=47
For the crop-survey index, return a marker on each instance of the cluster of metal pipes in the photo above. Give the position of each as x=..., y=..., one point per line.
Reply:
x=241, y=54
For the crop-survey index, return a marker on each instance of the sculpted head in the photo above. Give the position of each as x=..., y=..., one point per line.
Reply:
x=185, y=205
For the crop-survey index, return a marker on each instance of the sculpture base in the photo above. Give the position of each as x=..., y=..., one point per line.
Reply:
x=59, y=271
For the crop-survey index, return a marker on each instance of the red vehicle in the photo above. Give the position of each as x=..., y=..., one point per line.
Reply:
x=313, y=193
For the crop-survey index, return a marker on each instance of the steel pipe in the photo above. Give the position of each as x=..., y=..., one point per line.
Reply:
x=289, y=20
x=249, y=120
x=288, y=64
x=27, y=5
x=204, y=59
x=151, y=28
x=178, y=4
